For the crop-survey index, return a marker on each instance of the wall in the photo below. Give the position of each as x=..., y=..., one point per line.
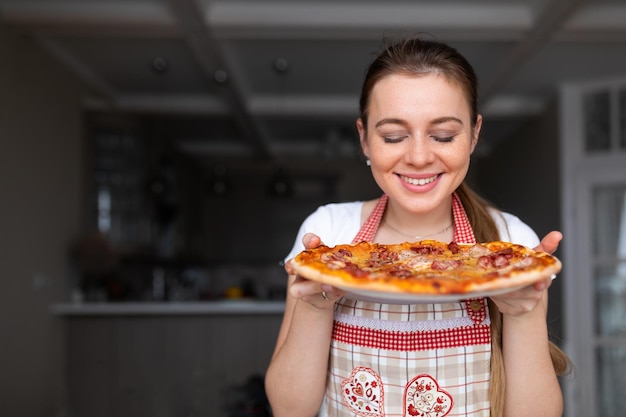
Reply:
x=40, y=188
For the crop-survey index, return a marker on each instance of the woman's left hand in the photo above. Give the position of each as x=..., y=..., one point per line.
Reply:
x=524, y=300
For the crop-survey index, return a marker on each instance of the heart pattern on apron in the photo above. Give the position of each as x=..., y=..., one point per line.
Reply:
x=363, y=392
x=424, y=398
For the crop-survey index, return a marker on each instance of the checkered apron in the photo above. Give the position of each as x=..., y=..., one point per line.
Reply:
x=427, y=360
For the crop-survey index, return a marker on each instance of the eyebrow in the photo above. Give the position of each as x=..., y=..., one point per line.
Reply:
x=437, y=121
x=446, y=119
x=390, y=121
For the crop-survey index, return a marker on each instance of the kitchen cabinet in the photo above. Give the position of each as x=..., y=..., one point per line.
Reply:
x=177, y=362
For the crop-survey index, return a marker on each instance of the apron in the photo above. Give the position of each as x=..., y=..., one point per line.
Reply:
x=399, y=360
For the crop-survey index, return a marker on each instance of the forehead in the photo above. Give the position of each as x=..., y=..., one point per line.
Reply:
x=424, y=91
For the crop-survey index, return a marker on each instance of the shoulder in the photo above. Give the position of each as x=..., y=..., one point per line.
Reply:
x=335, y=212
x=513, y=229
x=329, y=217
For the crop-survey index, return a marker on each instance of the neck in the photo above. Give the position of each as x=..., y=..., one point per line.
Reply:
x=434, y=223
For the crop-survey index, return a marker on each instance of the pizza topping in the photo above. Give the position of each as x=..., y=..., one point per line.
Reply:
x=479, y=250
x=400, y=272
x=382, y=257
x=336, y=255
x=419, y=262
x=344, y=252
x=485, y=262
x=453, y=247
x=336, y=259
x=427, y=250
x=443, y=264
x=355, y=271
x=499, y=259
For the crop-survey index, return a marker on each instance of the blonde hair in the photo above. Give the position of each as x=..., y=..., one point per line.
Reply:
x=485, y=230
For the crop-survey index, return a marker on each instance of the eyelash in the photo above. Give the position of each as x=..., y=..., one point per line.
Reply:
x=394, y=139
x=446, y=139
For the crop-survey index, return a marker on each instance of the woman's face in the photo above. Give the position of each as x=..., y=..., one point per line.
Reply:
x=419, y=139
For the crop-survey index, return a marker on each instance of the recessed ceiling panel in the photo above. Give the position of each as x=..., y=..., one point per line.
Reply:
x=141, y=66
x=312, y=66
x=558, y=63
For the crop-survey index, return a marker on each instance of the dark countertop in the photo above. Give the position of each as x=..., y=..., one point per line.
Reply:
x=168, y=308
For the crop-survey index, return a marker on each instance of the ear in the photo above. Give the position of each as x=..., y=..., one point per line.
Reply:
x=362, y=137
x=476, y=132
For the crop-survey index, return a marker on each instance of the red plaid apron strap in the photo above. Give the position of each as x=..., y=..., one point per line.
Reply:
x=370, y=227
x=463, y=232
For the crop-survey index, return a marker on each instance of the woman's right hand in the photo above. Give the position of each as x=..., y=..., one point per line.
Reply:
x=319, y=295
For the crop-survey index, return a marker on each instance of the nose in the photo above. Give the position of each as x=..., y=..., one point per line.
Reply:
x=419, y=152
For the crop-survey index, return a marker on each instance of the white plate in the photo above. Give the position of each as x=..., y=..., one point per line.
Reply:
x=407, y=298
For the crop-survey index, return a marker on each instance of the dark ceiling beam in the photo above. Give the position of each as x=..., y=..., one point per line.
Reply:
x=208, y=53
x=549, y=22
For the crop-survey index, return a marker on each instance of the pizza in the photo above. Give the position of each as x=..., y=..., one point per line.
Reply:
x=427, y=267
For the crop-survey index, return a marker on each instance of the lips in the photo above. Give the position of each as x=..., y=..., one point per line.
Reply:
x=418, y=181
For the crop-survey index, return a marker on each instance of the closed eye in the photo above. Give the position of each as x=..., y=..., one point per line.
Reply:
x=443, y=139
x=394, y=139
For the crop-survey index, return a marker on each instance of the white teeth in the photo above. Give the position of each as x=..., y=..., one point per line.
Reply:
x=421, y=181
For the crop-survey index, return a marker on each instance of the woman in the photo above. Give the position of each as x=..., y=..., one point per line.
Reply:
x=418, y=126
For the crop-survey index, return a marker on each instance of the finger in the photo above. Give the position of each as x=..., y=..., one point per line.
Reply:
x=311, y=240
x=289, y=268
x=314, y=293
x=303, y=287
x=519, y=302
x=331, y=293
x=550, y=242
x=542, y=284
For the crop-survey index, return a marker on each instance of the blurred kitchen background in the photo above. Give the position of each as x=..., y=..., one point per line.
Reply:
x=158, y=157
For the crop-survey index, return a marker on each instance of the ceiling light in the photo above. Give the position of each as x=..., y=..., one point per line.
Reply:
x=159, y=64
x=220, y=76
x=280, y=185
x=281, y=65
x=219, y=183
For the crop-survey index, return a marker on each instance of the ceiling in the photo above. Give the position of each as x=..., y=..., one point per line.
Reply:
x=279, y=80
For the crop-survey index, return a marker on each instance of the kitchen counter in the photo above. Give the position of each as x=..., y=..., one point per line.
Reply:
x=228, y=307
x=165, y=358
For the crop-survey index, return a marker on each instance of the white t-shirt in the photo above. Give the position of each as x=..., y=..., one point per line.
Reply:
x=338, y=223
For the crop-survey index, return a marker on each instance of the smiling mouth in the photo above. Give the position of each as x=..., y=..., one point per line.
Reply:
x=420, y=181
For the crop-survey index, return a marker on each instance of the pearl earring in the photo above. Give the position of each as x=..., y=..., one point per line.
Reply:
x=368, y=162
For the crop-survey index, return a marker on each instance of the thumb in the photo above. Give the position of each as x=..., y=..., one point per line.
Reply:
x=550, y=242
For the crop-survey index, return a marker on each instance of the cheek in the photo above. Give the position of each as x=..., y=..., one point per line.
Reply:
x=458, y=158
x=381, y=156
x=385, y=159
